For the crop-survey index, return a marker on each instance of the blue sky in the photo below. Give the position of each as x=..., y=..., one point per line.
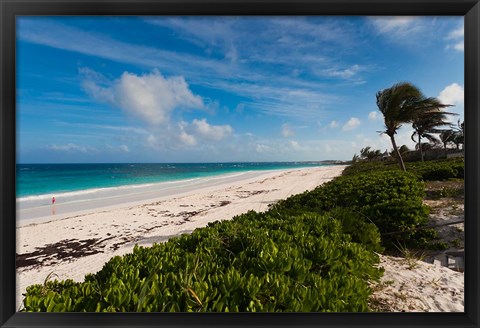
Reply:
x=214, y=89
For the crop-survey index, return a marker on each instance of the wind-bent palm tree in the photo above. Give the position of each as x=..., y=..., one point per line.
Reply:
x=454, y=135
x=459, y=137
x=398, y=105
x=369, y=154
x=427, y=121
x=446, y=137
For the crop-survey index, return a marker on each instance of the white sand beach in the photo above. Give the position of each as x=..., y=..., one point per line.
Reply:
x=419, y=287
x=76, y=242
x=80, y=241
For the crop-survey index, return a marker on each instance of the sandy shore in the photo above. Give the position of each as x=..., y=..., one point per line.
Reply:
x=73, y=244
x=417, y=286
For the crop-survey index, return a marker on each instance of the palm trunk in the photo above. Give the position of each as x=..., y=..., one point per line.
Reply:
x=445, y=147
x=399, y=157
x=420, y=147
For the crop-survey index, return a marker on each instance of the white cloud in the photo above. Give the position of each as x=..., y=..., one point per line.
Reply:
x=399, y=26
x=459, y=46
x=452, y=94
x=457, y=38
x=260, y=148
x=151, y=97
x=333, y=124
x=210, y=132
x=457, y=33
x=294, y=145
x=343, y=73
x=70, y=147
x=352, y=123
x=124, y=148
x=417, y=32
x=287, y=131
x=373, y=116
x=187, y=139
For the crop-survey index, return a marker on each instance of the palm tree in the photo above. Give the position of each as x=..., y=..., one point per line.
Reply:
x=446, y=137
x=398, y=105
x=459, y=137
x=368, y=154
x=427, y=121
x=364, y=152
x=455, y=135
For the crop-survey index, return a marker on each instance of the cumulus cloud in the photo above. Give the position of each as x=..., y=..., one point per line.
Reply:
x=189, y=133
x=373, y=116
x=124, y=148
x=187, y=139
x=352, y=123
x=287, y=131
x=211, y=132
x=150, y=97
x=452, y=94
x=153, y=98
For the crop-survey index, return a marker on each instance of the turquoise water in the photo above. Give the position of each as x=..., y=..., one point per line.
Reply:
x=34, y=180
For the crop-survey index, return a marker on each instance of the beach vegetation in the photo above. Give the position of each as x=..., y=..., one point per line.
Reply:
x=257, y=262
x=390, y=200
x=435, y=170
x=410, y=257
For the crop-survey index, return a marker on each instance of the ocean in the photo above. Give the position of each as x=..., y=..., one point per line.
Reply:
x=36, y=184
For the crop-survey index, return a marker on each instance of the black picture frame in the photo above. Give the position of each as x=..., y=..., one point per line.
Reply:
x=470, y=9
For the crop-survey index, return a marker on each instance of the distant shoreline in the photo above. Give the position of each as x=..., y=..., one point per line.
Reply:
x=75, y=202
x=37, y=181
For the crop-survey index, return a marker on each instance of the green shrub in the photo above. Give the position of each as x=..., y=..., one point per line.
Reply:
x=254, y=263
x=363, y=167
x=358, y=227
x=443, y=169
x=438, y=170
x=392, y=200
